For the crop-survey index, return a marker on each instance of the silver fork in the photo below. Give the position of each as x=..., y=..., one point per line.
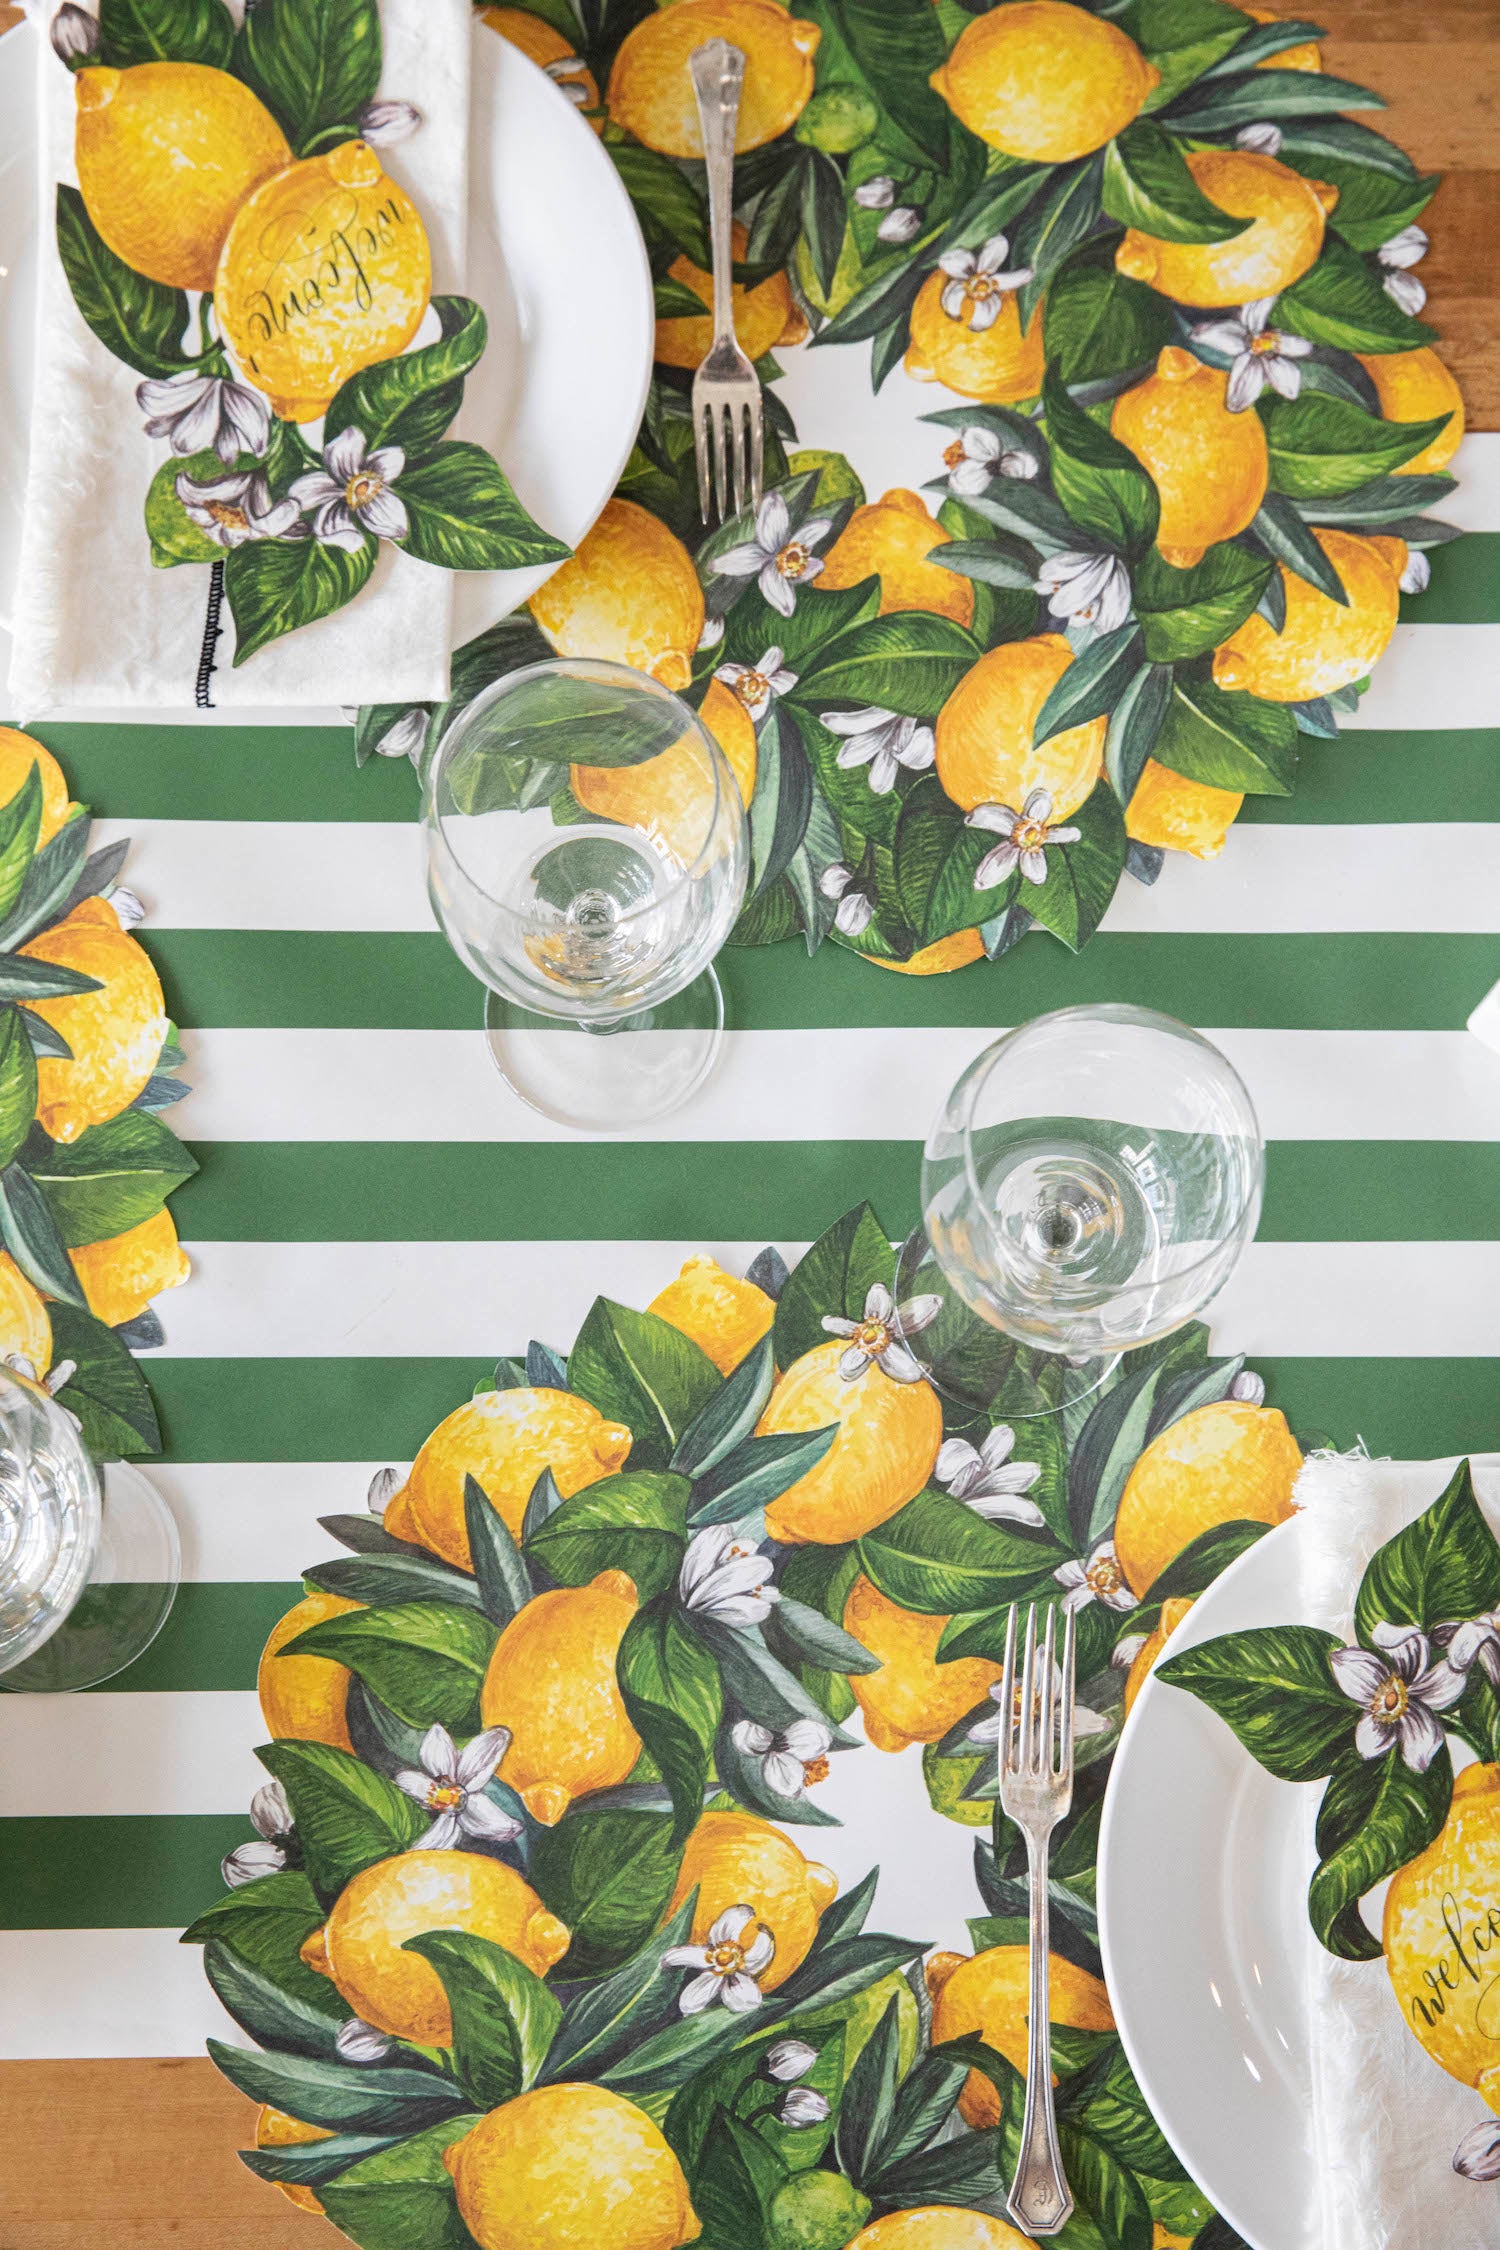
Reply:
x=728, y=411
x=1036, y=1790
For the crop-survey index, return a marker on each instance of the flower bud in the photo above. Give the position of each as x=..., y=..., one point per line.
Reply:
x=790, y=2058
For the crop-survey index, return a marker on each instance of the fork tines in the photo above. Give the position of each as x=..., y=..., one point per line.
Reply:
x=727, y=430
x=1036, y=1729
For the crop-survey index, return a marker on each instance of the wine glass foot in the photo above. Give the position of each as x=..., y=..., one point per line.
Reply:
x=128, y=1597
x=978, y=1366
x=609, y=1078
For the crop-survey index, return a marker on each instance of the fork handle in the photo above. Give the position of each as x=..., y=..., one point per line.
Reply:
x=718, y=74
x=1040, y=2201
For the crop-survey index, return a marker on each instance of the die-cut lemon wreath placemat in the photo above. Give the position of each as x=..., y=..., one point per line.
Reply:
x=1103, y=431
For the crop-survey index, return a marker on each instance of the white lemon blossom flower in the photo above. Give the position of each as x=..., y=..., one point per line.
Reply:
x=451, y=1786
x=360, y=2042
x=1249, y=1387
x=977, y=456
x=712, y=633
x=780, y=557
x=990, y=1728
x=903, y=224
x=1100, y=1579
x=1026, y=837
x=882, y=740
x=384, y=123
x=353, y=493
x=193, y=412
x=569, y=75
x=1477, y=2155
x=757, y=685
x=1086, y=589
x=1402, y=1689
x=978, y=282
x=729, y=1963
x=726, y=1578
x=1417, y=574
x=75, y=34
x=792, y=1759
x=986, y=1479
x=383, y=1487
x=803, y=2106
x=1398, y=256
x=877, y=194
x=1259, y=354
x=856, y=908
x=787, y=2059
x=237, y=508
x=1126, y=1649
x=404, y=737
x=271, y=1818
x=1476, y=1640
x=876, y=1340
x=1262, y=140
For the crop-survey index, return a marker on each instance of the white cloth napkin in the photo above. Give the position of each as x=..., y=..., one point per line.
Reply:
x=1385, y=2119
x=95, y=623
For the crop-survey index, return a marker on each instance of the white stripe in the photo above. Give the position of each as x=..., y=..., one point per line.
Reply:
x=880, y=1083
x=1476, y=503
x=1435, y=676
x=467, y=1300
x=257, y=1521
x=368, y=876
x=133, y=1753
x=75, y=1994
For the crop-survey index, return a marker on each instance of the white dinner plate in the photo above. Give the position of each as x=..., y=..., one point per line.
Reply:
x=555, y=258
x=1203, y=1871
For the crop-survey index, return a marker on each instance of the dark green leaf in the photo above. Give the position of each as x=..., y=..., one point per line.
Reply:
x=823, y=215
x=1062, y=217
x=137, y=320
x=387, y=2099
x=1105, y=2188
x=18, y=1084
x=148, y=31
x=27, y=980
x=1203, y=1559
x=1323, y=447
x=1117, y=2114
x=670, y=1684
x=639, y=1370
x=106, y=1390
x=1279, y=529
x=317, y=62
x=782, y=800
x=410, y=400
x=1272, y=1685
x=756, y=1473
x=30, y=1234
x=601, y=2019
x=1134, y=726
x=347, y=1815
x=817, y=1640
x=937, y=858
x=893, y=50
x=1442, y=1566
x=401, y=2198
x=264, y=1925
x=320, y=2161
x=729, y=1416
x=20, y=823
x=1338, y=301
x=426, y=1660
x=1096, y=321
x=938, y=1557
x=503, y=1580
x=1183, y=38
x=386, y=1579
x=607, y=1876
x=112, y=1178
x=833, y=1277
x=274, y=585
x=1147, y=185
x=1092, y=684
x=1186, y=613
x=1081, y=877
x=1253, y=96
x=507, y=647
x=463, y=513
x=635, y=1522
x=265, y=2008
x=1098, y=480
x=909, y=662
x=666, y=202
x=50, y=879
x=1228, y=738
x=869, y=2099
x=504, y=2017
x=757, y=1681
x=736, y=2176
x=1376, y=1816
x=986, y=562
x=1018, y=507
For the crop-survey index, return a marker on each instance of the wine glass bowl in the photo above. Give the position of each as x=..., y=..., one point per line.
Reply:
x=49, y=1518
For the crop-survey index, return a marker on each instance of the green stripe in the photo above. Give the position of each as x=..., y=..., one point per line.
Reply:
x=1374, y=775
x=1465, y=586
x=745, y=1191
x=212, y=1639
x=273, y=979
x=114, y=1871
x=228, y=773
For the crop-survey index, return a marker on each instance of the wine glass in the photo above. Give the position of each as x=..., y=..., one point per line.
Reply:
x=88, y=1569
x=1088, y=1186
x=587, y=853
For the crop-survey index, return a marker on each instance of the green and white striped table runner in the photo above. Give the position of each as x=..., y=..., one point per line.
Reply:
x=376, y=1218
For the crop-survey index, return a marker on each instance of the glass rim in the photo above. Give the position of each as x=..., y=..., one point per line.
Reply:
x=1121, y=1011
x=718, y=766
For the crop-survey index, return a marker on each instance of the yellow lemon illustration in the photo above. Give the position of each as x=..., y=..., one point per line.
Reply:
x=25, y=1324
x=763, y=316
x=888, y=1439
x=733, y=1859
x=274, y=2129
x=1284, y=240
x=939, y=2226
x=984, y=747
x=1415, y=387
x=325, y=270
x=723, y=1314
x=551, y=1680
x=1209, y=466
x=891, y=540
x=166, y=154
x=18, y=754
x=115, y=1034
x=1306, y=55
x=1045, y=81
x=998, y=364
x=629, y=594
x=1440, y=1930
x=304, y=1698
x=671, y=797
x=1179, y=815
x=912, y=1698
x=570, y=2166
x=359, y=1947
x=1173, y=1611
x=651, y=90
x=955, y=952
x=504, y=1440
x=1322, y=645
x=989, y=1993
x=550, y=52
x=1230, y=1462
x=123, y=1273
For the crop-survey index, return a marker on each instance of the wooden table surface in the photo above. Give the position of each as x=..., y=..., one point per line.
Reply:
x=141, y=2154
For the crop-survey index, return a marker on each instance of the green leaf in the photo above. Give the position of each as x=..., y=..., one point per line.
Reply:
x=500, y=1573
x=1063, y=217
x=986, y=562
x=1096, y=321
x=316, y=62
x=607, y=1876
x=1205, y=1558
x=274, y=585
x=833, y=1277
x=756, y=1473
x=112, y=1178
x=868, y=2106
x=20, y=824
x=1281, y=532
x=560, y=719
x=1134, y=726
x=1253, y=96
x=387, y=2099
x=1273, y=1686
x=1228, y=738
x=106, y=1390
x=310, y=2166
x=1373, y=205
x=822, y=213
x=463, y=513
x=174, y=537
x=603, y=2018
x=909, y=662
x=504, y=2018
x=1183, y=38
x=937, y=857
x=1104, y=2188
x=27, y=980
x=18, y=1084
x=781, y=803
x=146, y=31
x=30, y=1234
x=262, y=2006
x=936, y=1556
x=1082, y=877
x=1092, y=684
x=1147, y=185
x=1117, y=2115
x=410, y=400
x=635, y=1522
x=347, y=1815
x=401, y=2198
x=384, y=1580
x=426, y=1660
x=1444, y=1565
x=1098, y=480
x=666, y=202
x=1376, y=1816
x=815, y=1639
x=892, y=49
x=670, y=1684
x=729, y=1417
x=1186, y=613
x=1321, y=447
x=50, y=880
x=137, y=320
x=639, y=1370
x=264, y=1926
x=1338, y=301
